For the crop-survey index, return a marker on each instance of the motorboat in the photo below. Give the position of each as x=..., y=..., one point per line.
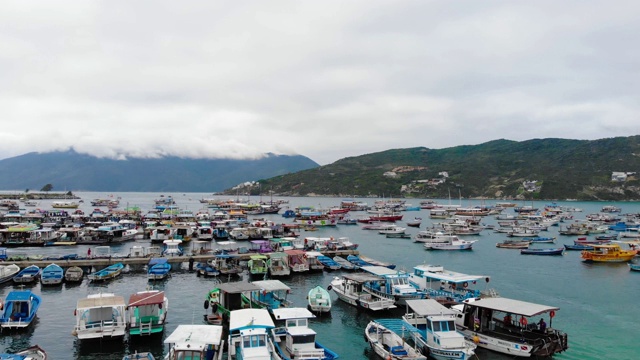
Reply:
x=249, y=336
x=296, y=340
x=31, y=353
x=195, y=342
x=388, y=344
x=319, y=300
x=350, y=289
x=147, y=312
x=448, y=286
x=608, y=253
x=19, y=309
x=100, y=316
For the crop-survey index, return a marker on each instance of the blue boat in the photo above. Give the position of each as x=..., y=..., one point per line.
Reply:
x=550, y=251
x=634, y=267
x=577, y=247
x=108, y=273
x=158, y=269
x=52, y=274
x=289, y=214
x=538, y=239
x=20, y=308
x=328, y=263
x=27, y=275
x=355, y=260
x=206, y=270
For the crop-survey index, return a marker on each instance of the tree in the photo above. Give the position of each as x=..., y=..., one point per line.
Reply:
x=47, y=187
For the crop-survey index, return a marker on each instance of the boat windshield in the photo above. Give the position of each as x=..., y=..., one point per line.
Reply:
x=444, y=326
x=304, y=339
x=250, y=341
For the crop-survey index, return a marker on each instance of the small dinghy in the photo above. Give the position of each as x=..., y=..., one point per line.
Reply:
x=549, y=251
x=319, y=300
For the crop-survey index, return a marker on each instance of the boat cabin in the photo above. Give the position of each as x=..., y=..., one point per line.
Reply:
x=248, y=338
x=448, y=286
x=299, y=340
x=272, y=294
x=195, y=342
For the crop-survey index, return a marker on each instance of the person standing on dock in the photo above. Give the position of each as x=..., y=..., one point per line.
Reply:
x=89, y=253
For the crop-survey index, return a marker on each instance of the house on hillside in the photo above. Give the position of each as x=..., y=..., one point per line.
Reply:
x=618, y=176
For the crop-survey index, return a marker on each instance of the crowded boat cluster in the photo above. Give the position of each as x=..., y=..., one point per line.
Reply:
x=447, y=314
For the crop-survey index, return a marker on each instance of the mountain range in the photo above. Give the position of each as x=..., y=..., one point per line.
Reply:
x=69, y=170
x=533, y=169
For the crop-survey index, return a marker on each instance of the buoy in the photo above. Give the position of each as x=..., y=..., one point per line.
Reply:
x=329, y=287
x=523, y=321
x=552, y=313
x=74, y=333
x=476, y=339
x=465, y=284
x=486, y=279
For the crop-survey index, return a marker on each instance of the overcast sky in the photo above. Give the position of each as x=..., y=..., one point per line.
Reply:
x=324, y=79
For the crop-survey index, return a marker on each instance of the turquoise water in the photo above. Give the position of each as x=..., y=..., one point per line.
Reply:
x=597, y=301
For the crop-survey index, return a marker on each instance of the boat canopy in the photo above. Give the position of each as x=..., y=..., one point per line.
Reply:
x=361, y=278
x=249, y=318
x=195, y=337
x=271, y=285
x=438, y=272
x=313, y=254
x=513, y=306
x=292, y=313
x=379, y=270
x=19, y=296
x=155, y=261
x=237, y=287
x=101, y=301
x=428, y=307
x=146, y=298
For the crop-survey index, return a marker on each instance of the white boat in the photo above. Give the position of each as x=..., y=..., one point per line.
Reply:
x=319, y=300
x=449, y=242
x=195, y=342
x=147, y=312
x=388, y=344
x=73, y=274
x=449, y=286
x=436, y=325
x=395, y=284
x=278, y=264
x=249, y=337
x=505, y=325
x=7, y=272
x=350, y=289
x=32, y=353
x=100, y=316
x=172, y=247
x=296, y=340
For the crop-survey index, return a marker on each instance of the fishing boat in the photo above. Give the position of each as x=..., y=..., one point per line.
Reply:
x=344, y=263
x=453, y=243
x=225, y=298
x=490, y=324
x=436, y=326
x=227, y=264
x=7, y=272
x=634, y=267
x=139, y=356
x=548, y=251
x=578, y=247
x=19, y=309
x=27, y=275
x=158, y=269
x=205, y=269
x=52, y=274
x=296, y=340
x=108, y=273
x=147, y=312
x=271, y=294
x=415, y=222
x=319, y=300
x=449, y=286
x=328, y=263
x=278, y=264
x=257, y=265
x=513, y=244
x=195, y=342
x=540, y=239
x=388, y=344
x=375, y=262
x=608, y=253
x=100, y=316
x=73, y=274
x=350, y=289
x=31, y=353
x=394, y=284
x=248, y=335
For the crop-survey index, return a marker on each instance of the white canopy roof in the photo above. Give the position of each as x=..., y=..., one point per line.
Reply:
x=440, y=273
x=249, y=318
x=195, y=337
x=292, y=313
x=379, y=270
x=513, y=306
x=428, y=307
x=271, y=285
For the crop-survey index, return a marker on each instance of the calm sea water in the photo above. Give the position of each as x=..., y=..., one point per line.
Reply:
x=598, y=302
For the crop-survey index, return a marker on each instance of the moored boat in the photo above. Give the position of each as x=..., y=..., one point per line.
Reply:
x=329, y=263
x=296, y=340
x=344, y=263
x=52, y=274
x=147, y=312
x=350, y=289
x=195, y=342
x=139, y=356
x=608, y=253
x=547, y=251
x=578, y=247
x=108, y=273
x=513, y=244
x=31, y=353
x=7, y=272
x=73, y=274
x=19, y=309
x=27, y=275
x=248, y=337
x=388, y=344
x=319, y=300
x=158, y=268
x=483, y=323
x=100, y=316
x=634, y=267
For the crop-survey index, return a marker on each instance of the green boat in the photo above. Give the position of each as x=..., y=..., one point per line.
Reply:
x=147, y=311
x=226, y=298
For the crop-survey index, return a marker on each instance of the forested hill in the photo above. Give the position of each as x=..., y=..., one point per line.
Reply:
x=70, y=170
x=533, y=169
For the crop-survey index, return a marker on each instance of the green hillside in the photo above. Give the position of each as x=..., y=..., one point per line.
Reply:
x=561, y=169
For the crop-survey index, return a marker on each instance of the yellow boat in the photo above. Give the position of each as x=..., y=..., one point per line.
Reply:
x=608, y=253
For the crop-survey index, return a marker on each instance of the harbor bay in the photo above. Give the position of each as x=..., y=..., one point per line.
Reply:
x=596, y=301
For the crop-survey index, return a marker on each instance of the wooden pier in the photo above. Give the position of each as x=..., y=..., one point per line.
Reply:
x=103, y=262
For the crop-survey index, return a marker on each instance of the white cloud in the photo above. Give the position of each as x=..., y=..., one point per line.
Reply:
x=324, y=79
